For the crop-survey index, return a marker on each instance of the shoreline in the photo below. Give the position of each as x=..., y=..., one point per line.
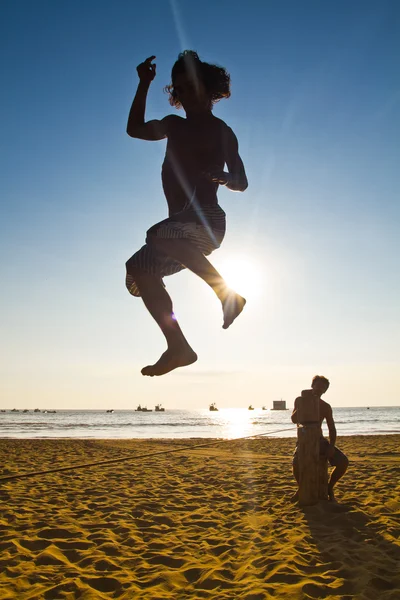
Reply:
x=198, y=523
x=182, y=440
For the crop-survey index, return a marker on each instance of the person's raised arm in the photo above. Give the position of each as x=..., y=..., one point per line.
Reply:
x=137, y=127
x=235, y=179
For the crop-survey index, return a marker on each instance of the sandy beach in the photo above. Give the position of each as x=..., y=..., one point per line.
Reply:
x=211, y=522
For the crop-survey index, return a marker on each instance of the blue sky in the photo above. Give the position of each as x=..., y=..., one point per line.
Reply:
x=315, y=239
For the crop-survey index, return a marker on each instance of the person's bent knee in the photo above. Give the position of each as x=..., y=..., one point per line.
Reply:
x=343, y=461
x=151, y=235
x=156, y=243
x=133, y=278
x=132, y=268
x=129, y=265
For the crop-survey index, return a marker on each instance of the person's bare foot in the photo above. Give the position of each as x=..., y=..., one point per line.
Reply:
x=232, y=306
x=170, y=360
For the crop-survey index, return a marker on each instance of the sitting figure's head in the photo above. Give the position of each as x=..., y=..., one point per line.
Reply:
x=197, y=85
x=320, y=384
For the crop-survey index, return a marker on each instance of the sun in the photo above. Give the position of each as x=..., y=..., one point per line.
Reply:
x=242, y=274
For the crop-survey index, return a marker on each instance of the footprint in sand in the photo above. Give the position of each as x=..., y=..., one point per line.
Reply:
x=218, y=550
x=103, y=584
x=315, y=591
x=73, y=556
x=164, y=520
x=192, y=575
x=75, y=545
x=283, y=578
x=104, y=565
x=62, y=588
x=47, y=558
x=166, y=561
x=110, y=549
x=35, y=545
x=58, y=533
x=381, y=584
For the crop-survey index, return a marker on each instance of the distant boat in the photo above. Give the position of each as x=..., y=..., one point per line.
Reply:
x=110, y=410
x=213, y=407
x=37, y=410
x=159, y=408
x=15, y=410
x=263, y=408
x=279, y=405
x=143, y=409
x=25, y=410
x=250, y=407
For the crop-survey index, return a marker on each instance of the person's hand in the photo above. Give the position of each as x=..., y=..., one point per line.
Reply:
x=217, y=176
x=147, y=70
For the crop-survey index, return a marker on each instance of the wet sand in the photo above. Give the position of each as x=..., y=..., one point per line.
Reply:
x=212, y=523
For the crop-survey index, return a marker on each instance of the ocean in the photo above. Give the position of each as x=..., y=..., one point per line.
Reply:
x=227, y=423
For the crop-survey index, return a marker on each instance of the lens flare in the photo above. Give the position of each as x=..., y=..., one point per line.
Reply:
x=243, y=275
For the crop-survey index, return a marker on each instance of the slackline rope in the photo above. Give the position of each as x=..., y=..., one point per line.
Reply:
x=136, y=456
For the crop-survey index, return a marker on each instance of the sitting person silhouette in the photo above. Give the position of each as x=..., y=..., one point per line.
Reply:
x=336, y=458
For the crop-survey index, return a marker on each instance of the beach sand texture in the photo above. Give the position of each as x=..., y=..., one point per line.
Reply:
x=212, y=523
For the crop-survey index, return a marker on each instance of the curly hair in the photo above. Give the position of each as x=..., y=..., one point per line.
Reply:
x=322, y=379
x=215, y=79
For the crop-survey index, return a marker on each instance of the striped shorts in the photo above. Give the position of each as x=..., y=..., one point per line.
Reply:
x=203, y=226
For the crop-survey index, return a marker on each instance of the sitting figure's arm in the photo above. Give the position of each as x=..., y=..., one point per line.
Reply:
x=294, y=413
x=137, y=127
x=332, y=430
x=235, y=179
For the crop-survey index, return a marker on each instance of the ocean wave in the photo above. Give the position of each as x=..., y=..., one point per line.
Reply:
x=366, y=421
x=52, y=426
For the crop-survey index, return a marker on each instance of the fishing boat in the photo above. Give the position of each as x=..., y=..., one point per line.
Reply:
x=143, y=409
x=213, y=407
x=159, y=408
x=250, y=407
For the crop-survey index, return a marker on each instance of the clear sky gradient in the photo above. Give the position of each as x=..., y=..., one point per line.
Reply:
x=314, y=242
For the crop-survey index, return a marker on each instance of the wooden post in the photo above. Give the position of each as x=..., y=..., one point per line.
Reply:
x=313, y=470
x=323, y=478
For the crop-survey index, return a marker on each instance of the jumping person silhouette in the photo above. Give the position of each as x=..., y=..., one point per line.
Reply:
x=198, y=147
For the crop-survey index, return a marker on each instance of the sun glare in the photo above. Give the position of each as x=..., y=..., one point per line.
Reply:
x=243, y=275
